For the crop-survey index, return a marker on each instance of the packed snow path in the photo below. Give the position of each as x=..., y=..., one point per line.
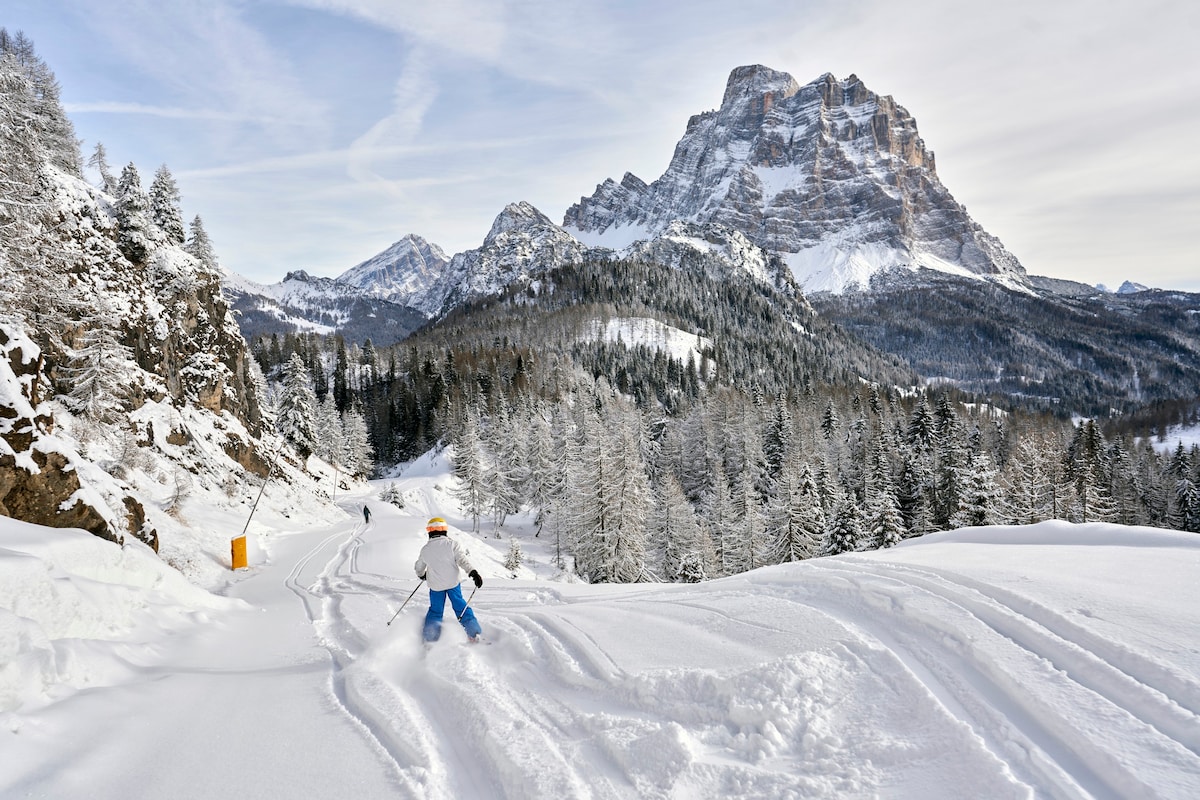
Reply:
x=839, y=677
x=1051, y=661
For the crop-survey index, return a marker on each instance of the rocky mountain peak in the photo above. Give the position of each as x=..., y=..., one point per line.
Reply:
x=830, y=175
x=520, y=215
x=758, y=86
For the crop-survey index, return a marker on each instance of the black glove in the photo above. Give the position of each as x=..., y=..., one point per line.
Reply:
x=474, y=575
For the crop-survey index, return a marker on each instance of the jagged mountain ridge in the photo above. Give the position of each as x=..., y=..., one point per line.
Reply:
x=303, y=302
x=392, y=294
x=829, y=175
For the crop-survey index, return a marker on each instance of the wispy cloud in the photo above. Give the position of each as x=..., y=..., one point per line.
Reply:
x=206, y=55
x=411, y=99
x=162, y=111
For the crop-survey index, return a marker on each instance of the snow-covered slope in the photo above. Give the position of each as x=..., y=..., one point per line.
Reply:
x=830, y=175
x=1044, y=661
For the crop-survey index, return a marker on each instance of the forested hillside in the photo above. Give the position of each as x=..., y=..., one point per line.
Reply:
x=783, y=439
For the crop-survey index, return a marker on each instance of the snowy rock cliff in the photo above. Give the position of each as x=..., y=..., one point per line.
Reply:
x=829, y=175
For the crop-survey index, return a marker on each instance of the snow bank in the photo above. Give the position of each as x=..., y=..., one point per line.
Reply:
x=78, y=611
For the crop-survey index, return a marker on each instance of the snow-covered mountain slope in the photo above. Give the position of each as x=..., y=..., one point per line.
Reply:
x=651, y=334
x=830, y=175
x=1044, y=661
x=303, y=302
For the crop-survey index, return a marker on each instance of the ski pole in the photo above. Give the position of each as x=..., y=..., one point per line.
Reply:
x=402, y=605
x=468, y=605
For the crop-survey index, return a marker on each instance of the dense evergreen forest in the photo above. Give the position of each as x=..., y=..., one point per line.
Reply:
x=765, y=445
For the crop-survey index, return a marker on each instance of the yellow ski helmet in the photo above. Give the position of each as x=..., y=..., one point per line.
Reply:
x=436, y=524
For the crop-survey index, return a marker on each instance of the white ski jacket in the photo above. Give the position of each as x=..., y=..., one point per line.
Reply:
x=439, y=561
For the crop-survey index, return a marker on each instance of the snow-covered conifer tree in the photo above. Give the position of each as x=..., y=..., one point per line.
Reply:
x=686, y=551
x=846, y=526
x=885, y=523
x=100, y=369
x=750, y=549
x=512, y=561
x=717, y=516
x=795, y=520
x=135, y=238
x=328, y=428
x=199, y=246
x=297, y=406
x=468, y=466
x=99, y=162
x=164, y=206
x=979, y=498
x=357, y=456
x=610, y=496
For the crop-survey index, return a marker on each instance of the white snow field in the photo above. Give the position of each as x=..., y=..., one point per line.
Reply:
x=1052, y=661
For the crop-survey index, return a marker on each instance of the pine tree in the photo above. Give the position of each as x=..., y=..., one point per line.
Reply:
x=54, y=127
x=830, y=423
x=164, y=207
x=795, y=519
x=468, y=467
x=100, y=370
x=297, y=406
x=328, y=430
x=687, y=554
x=134, y=236
x=611, y=501
x=512, y=561
x=717, y=516
x=357, y=455
x=200, y=247
x=748, y=531
x=979, y=501
x=846, y=527
x=884, y=521
x=1030, y=481
x=99, y=162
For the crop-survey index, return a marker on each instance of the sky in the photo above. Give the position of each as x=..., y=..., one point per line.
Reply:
x=312, y=134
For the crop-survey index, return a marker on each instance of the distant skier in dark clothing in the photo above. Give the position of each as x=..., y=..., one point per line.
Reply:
x=366, y=515
x=439, y=564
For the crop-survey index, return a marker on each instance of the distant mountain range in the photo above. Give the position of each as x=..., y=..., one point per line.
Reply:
x=825, y=190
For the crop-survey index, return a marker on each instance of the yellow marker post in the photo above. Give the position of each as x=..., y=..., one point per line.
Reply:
x=237, y=549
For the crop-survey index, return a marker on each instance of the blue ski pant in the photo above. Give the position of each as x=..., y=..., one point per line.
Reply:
x=437, y=605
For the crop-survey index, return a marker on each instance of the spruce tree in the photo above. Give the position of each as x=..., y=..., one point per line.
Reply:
x=134, y=235
x=846, y=533
x=164, y=207
x=467, y=458
x=297, y=407
x=101, y=369
x=199, y=246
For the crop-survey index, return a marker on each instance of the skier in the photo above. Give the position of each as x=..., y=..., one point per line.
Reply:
x=366, y=515
x=439, y=563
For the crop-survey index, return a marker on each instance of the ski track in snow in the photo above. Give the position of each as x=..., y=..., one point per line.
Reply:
x=547, y=712
x=986, y=647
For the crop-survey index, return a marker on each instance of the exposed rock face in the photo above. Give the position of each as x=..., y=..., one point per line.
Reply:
x=38, y=483
x=404, y=273
x=830, y=175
